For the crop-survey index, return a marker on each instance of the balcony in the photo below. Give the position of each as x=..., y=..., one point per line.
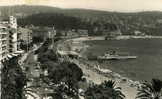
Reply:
x=2, y=45
x=10, y=50
x=3, y=39
x=3, y=51
x=3, y=32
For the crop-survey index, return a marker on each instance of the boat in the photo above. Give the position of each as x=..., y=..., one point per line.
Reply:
x=102, y=70
x=114, y=56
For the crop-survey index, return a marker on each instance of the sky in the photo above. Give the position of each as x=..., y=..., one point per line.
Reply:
x=107, y=5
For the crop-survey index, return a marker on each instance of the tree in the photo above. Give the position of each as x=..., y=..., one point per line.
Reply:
x=13, y=80
x=29, y=91
x=65, y=72
x=151, y=90
x=63, y=91
x=105, y=90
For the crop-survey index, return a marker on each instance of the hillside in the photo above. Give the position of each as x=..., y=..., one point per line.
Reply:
x=29, y=10
x=147, y=22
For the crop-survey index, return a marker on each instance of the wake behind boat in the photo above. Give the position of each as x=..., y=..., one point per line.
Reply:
x=114, y=56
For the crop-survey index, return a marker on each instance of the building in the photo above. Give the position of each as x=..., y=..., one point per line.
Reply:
x=13, y=34
x=24, y=38
x=71, y=33
x=8, y=38
x=3, y=42
x=13, y=22
x=82, y=32
x=51, y=32
x=25, y=35
x=39, y=32
x=138, y=33
x=112, y=34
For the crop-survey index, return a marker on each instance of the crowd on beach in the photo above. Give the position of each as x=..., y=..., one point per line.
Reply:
x=105, y=73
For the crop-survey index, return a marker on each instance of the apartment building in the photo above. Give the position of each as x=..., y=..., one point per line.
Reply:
x=8, y=37
x=25, y=35
x=12, y=34
x=3, y=42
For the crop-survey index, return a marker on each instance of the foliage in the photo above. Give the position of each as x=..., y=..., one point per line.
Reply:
x=58, y=72
x=37, y=40
x=91, y=56
x=66, y=72
x=106, y=90
x=63, y=91
x=29, y=91
x=66, y=22
x=151, y=90
x=49, y=55
x=25, y=46
x=60, y=21
x=13, y=80
x=44, y=47
x=146, y=22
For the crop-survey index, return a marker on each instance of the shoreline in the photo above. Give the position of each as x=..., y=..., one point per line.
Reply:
x=100, y=69
x=125, y=37
x=96, y=75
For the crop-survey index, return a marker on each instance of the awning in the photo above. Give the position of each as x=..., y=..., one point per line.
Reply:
x=19, y=52
x=9, y=56
x=15, y=54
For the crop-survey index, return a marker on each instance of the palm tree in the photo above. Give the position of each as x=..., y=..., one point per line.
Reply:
x=105, y=90
x=13, y=79
x=28, y=91
x=116, y=90
x=63, y=91
x=151, y=90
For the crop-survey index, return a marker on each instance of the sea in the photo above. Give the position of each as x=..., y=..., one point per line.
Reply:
x=146, y=66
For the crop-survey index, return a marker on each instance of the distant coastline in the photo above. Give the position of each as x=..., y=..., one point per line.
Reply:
x=124, y=37
x=136, y=37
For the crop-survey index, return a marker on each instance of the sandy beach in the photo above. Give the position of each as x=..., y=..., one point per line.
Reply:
x=97, y=77
x=117, y=38
x=93, y=74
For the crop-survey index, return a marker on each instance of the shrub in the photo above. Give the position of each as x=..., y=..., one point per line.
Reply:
x=66, y=72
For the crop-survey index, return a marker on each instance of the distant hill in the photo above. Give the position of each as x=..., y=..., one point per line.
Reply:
x=148, y=22
x=28, y=10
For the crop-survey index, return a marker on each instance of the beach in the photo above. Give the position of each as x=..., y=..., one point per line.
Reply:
x=96, y=75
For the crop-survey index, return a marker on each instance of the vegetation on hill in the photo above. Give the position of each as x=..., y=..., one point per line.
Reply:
x=65, y=22
x=60, y=21
x=145, y=22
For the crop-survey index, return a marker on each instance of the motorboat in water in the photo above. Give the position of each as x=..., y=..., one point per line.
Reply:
x=114, y=56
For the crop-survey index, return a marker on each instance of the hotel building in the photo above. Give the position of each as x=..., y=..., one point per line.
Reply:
x=8, y=38
x=3, y=42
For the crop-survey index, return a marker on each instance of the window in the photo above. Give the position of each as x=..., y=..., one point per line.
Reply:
x=3, y=48
x=3, y=54
x=2, y=29
x=3, y=36
x=3, y=42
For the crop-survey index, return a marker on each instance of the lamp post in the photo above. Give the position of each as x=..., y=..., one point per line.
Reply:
x=53, y=35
